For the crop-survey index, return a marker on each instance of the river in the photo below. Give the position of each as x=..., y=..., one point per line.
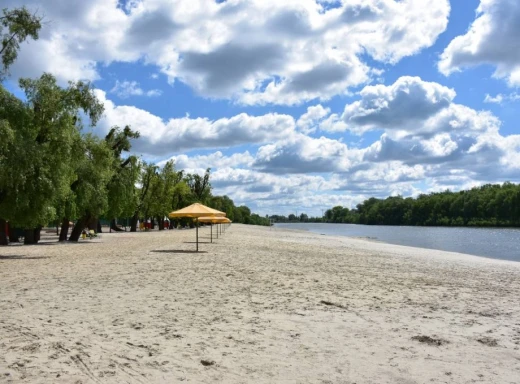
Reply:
x=496, y=243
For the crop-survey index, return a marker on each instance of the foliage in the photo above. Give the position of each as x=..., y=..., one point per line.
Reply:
x=16, y=25
x=122, y=194
x=93, y=173
x=199, y=186
x=38, y=162
x=488, y=205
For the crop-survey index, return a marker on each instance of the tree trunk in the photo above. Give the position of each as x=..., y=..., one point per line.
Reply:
x=64, y=229
x=99, y=229
x=114, y=227
x=37, y=233
x=133, y=224
x=32, y=236
x=161, y=224
x=152, y=225
x=78, y=228
x=93, y=224
x=3, y=232
x=13, y=234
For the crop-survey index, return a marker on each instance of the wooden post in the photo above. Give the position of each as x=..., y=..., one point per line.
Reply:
x=197, y=231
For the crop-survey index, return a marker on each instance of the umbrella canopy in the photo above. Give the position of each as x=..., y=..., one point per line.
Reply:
x=195, y=211
x=214, y=220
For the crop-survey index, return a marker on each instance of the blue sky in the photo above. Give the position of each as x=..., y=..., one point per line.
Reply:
x=300, y=105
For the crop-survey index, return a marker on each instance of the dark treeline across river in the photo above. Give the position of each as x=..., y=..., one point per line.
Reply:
x=496, y=243
x=491, y=205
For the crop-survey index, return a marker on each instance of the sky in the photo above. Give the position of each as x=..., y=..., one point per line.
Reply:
x=299, y=105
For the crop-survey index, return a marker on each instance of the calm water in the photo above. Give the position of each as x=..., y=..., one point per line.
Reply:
x=497, y=243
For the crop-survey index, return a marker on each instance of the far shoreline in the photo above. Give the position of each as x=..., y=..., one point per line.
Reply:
x=376, y=240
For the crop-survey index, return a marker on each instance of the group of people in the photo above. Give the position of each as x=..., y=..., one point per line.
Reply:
x=146, y=225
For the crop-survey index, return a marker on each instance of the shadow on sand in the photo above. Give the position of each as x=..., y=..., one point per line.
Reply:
x=19, y=257
x=176, y=251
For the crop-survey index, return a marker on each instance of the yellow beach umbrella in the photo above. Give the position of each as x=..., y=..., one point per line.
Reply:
x=195, y=211
x=214, y=220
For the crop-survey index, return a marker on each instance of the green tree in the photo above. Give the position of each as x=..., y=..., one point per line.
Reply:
x=122, y=193
x=200, y=186
x=38, y=158
x=146, y=179
x=16, y=25
x=164, y=186
x=90, y=192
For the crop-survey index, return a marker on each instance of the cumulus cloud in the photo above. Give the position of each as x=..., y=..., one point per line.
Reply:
x=493, y=38
x=254, y=52
x=303, y=154
x=333, y=123
x=500, y=98
x=162, y=137
x=309, y=120
x=405, y=103
x=440, y=140
x=214, y=160
x=125, y=89
x=423, y=127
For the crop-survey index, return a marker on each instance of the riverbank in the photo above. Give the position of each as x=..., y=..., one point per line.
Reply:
x=259, y=305
x=496, y=243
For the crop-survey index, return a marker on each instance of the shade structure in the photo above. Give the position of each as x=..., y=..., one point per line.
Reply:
x=214, y=220
x=195, y=211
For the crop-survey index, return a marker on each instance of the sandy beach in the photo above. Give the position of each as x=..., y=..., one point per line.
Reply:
x=259, y=305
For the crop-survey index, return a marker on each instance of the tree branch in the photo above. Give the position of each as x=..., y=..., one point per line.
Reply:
x=8, y=41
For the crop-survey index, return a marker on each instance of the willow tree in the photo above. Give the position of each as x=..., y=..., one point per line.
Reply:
x=93, y=173
x=122, y=194
x=37, y=167
x=224, y=204
x=14, y=115
x=16, y=25
x=200, y=186
x=166, y=186
x=146, y=179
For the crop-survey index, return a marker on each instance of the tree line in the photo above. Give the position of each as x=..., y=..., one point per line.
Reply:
x=491, y=205
x=52, y=171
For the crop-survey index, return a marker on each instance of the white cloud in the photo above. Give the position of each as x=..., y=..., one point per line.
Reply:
x=160, y=137
x=333, y=123
x=126, y=89
x=254, y=52
x=309, y=120
x=153, y=93
x=303, y=154
x=404, y=104
x=493, y=38
x=494, y=99
x=440, y=140
x=500, y=98
x=215, y=160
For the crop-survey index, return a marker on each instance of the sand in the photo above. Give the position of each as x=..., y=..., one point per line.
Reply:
x=260, y=305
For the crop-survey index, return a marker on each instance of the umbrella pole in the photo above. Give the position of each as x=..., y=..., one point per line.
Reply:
x=211, y=227
x=197, y=232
